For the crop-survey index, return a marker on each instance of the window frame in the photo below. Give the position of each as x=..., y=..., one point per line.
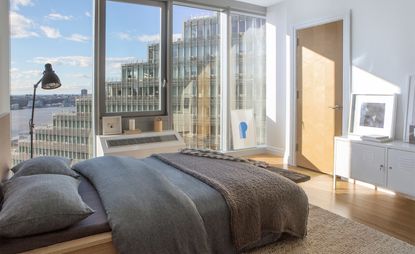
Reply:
x=100, y=59
x=229, y=14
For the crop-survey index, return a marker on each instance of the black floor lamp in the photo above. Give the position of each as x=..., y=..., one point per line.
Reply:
x=49, y=81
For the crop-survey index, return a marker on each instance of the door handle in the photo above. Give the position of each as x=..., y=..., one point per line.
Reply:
x=336, y=107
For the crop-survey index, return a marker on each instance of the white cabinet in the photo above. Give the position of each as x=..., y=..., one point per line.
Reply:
x=368, y=164
x=388, y=165
x=401, y=171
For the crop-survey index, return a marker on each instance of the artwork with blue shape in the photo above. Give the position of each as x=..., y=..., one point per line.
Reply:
x=243, y=128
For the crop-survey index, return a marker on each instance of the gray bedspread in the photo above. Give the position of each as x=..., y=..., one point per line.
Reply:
x=155, y=208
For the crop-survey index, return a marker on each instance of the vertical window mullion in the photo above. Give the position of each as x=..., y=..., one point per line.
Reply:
x=225, y=22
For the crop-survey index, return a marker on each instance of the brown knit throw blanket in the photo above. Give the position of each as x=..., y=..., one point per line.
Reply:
x=218, y=155
x=261, y=203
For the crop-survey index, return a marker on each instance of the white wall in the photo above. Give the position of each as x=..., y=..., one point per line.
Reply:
x=382, y=50
x=4, y=57
x=276, y=78
x=4, y=89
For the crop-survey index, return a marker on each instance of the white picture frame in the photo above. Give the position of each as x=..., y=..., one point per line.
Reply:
x=410, y=109
x=243, y=129
x=373, y=114
x=111, y=125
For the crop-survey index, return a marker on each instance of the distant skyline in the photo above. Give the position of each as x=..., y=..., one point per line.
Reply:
x=60, y=32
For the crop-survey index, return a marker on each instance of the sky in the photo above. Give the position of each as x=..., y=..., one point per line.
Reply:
x=60, y=32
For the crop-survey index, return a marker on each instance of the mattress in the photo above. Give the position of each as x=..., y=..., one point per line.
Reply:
x=95, y=224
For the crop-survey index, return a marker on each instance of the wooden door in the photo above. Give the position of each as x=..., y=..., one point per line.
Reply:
x=319, y=94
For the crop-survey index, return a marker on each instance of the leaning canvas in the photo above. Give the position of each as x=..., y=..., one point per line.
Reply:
x=243, y=128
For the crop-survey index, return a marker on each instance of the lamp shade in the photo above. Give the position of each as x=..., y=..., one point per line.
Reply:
x=50, y=79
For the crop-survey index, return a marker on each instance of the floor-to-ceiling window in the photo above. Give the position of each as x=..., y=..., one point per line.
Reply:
x=196, y=67
x=59, y=33
x=195, y=85
x=247, y=69
x=135, y=63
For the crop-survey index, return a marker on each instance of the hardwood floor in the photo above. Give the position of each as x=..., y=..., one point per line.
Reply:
x=387, y=212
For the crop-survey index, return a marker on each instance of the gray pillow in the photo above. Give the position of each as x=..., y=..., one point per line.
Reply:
x=41, y=203
x=44, y=165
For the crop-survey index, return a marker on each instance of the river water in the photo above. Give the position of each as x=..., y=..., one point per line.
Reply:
x=43, y=116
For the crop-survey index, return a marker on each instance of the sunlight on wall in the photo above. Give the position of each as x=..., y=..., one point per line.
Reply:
x=367, y=83
x=271, y=70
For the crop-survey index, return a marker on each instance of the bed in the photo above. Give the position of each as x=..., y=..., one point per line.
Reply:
x=183, y=203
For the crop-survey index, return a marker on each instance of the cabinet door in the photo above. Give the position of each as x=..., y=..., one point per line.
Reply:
x=342, y=158
x=401, y=171
x=368, y=164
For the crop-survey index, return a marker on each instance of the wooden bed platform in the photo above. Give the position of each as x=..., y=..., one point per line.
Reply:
x=95, y=244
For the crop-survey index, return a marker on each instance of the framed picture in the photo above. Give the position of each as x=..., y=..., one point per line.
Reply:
x=243, y=128
x=373, y=114
x=111, y=125
x=410, y=111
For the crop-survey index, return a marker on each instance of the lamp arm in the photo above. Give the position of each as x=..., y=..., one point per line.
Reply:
x=31, y=124
x=37, y=84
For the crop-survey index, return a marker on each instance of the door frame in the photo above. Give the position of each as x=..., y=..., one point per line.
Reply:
x=292, y=103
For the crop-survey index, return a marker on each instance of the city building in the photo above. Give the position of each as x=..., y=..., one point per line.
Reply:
x=196, y=84
x=138, y=89
x=70, y=135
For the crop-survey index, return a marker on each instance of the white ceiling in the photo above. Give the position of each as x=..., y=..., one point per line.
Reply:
x=265, y=3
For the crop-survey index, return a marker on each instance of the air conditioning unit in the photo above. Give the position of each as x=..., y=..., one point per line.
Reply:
x=140, y=145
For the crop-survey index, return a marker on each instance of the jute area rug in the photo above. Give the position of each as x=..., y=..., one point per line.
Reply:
x=331, y=233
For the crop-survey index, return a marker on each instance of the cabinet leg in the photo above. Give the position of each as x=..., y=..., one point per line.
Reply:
x=334, y=182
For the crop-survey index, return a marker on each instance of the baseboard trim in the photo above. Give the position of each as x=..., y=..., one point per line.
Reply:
x=276, y=151
x=248, y=151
